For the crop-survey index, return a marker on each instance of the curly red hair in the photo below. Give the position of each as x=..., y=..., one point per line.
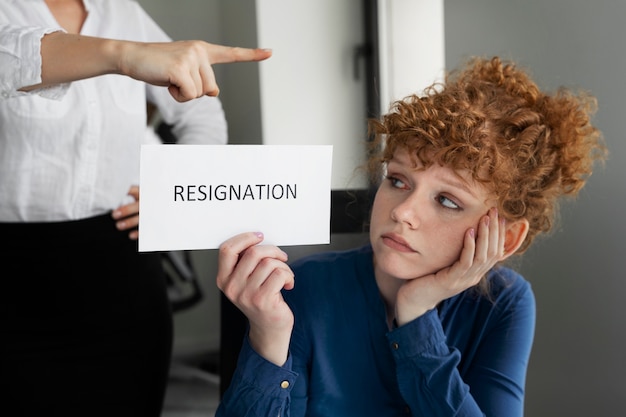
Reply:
x=527, y=147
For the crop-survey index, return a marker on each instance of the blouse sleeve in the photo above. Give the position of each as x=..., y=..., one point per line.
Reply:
x=428, y=376
x=20, y=61
x=258, y=387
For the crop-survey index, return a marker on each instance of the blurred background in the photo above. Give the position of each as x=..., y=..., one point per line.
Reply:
x=337, y=62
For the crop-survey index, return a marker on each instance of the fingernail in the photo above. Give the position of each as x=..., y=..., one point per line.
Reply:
x=120, y=225
x=117, y=214
x=472, y=232
x=486, y=221
x=259, y=235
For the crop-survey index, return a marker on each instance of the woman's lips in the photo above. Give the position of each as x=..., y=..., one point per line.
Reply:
x=397, y=243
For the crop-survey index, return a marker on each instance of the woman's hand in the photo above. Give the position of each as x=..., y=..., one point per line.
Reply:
x=252, y=277
x=127, y=216
x=185, y=67
x=480, y=253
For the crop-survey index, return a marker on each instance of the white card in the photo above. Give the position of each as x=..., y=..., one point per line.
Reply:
x=198, y=196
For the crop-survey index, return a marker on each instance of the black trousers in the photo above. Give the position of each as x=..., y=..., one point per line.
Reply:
x=85, y=323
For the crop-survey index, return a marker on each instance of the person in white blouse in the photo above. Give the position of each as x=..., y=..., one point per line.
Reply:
x=85, y=320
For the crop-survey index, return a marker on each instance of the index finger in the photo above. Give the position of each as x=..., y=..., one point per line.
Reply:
x=232, y=248
x=225, y=54
x=230, y=252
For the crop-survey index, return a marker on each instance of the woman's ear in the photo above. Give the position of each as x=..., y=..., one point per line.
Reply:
x=514, y=236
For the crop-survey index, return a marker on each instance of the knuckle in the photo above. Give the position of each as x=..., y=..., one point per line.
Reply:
x=197, y=47
x=236, y=52
x=266, y=263
x=226, y=249
x=228, y=290
x=220, y=281
x=257, y=299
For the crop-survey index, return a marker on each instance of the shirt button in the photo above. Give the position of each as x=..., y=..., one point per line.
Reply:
x=284, y=384
x=395, y=346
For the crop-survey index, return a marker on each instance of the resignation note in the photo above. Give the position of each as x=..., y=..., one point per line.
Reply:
x=197, y=196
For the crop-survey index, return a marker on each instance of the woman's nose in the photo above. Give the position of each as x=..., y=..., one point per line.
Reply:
x=405, y=211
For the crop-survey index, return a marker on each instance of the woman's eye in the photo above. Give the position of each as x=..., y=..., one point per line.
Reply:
x=447, y=203
x=396, y=183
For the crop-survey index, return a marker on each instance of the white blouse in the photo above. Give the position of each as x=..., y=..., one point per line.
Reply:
x=72, y=151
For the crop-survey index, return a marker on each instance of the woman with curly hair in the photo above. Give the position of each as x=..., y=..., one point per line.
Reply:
x=425, y=320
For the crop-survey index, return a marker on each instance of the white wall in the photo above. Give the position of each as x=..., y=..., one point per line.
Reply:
x=309, y=95
x=412, y=47
x=577, y=366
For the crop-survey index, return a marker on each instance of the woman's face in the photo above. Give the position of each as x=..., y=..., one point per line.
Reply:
x=419, y=218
